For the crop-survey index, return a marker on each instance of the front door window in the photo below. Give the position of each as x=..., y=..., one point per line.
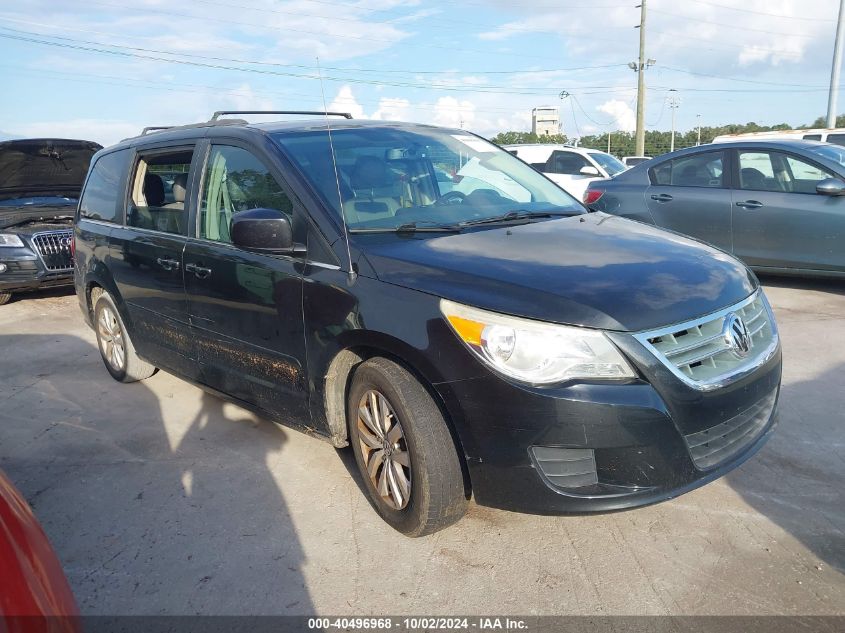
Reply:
x=235, y=180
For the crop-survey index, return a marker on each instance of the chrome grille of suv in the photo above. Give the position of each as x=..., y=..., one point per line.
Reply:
x=703, y=353
x=54, y=249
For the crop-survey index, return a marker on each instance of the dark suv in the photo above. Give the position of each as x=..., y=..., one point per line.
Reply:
x=40, y=181
x=477, y=335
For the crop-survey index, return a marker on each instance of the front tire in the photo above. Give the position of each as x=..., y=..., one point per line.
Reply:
x=116, y=348
x=404, y=450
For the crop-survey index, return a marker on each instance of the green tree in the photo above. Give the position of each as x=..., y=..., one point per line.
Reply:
x=656, y=142
x=521, y=138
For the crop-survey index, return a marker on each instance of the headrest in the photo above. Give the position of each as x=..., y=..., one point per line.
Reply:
x=371, y=172
x=153, y=190
x=179, y=187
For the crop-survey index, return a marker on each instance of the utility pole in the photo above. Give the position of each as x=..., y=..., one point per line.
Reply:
x=698, y=116
x=608, y=142
x=674, y=102
x=641, y=62
x=837, y=65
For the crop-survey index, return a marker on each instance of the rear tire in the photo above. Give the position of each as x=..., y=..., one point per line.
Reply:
x=404, y=450
x=5, y=297
x=116, y=348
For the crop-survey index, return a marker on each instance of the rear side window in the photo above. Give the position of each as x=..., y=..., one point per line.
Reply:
x=812, y=137
x=698, y=170
x=158, y=192
x=99, y=200
x=836, y=139
x=567, y=163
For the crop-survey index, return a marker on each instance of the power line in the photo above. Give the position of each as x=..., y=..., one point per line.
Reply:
x=766, y=13
x=731, y=26
x=228, y=21
x=125, y=53
x=280, y=65
x=748, y=81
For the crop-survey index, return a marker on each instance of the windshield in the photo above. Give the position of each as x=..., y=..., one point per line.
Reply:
x=391, y=177
x=831, y=152
x=611, y=164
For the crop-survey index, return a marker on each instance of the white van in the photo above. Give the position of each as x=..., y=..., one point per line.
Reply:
x=828, y=135
x=572, y=168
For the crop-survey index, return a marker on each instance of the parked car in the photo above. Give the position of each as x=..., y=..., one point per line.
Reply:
x=777, y=205
x=630, y=161
x=573, y=168
x=40, y=181
x=506, y=346
x=34, y=593
x=829, y=135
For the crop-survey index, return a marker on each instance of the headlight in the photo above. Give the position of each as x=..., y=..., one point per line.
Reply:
x=10, y=239
x=533, y=351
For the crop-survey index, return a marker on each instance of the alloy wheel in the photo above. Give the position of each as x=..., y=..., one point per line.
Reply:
x=384, y=449
x=110, y=336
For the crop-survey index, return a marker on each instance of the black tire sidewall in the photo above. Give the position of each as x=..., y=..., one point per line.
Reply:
x=371, y=376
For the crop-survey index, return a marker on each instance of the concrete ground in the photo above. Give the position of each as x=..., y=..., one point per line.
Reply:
x=161, y=499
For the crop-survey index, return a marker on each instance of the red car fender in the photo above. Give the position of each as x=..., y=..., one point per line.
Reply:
x=34, y=592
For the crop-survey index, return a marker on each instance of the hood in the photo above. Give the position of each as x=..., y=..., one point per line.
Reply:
x=44, y=167
x=594, y=270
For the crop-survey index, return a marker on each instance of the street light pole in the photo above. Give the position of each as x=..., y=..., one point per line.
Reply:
x=698, y=116
x=673, y=105
x=837, y=65
x=641, y=65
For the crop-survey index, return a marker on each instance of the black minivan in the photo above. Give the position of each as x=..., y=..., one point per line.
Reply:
x=430, y=299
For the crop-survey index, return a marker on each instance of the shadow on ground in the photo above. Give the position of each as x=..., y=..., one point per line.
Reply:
x=222, y=527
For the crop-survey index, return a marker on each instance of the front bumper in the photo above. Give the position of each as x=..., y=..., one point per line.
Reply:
x=630, y=444
x=25, y=271
x=26, y=275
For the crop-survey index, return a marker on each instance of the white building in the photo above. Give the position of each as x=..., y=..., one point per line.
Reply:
x=545, y=120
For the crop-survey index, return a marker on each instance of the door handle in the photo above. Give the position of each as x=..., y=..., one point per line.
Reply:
x=749, y=204
x=199, y=271
x=168, y=264
x=663, y=197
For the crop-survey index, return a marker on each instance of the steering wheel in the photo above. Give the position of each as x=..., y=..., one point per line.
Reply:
x=452, y=197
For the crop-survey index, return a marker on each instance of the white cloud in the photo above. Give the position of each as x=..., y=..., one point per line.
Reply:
x=623, y=115
x=392, y=109
x=450, y=112
x=105, y=132
x=345, y=101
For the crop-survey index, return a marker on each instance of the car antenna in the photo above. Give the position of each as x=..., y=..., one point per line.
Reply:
x=352, y=273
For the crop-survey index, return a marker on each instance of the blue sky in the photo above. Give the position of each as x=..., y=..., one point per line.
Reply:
x=103, y=69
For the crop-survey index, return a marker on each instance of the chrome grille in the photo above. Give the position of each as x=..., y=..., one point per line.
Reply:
x=703, y=354
x=713, y=446
x=54, y=249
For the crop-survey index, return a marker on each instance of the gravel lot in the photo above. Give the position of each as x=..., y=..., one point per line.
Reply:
x=161, y=499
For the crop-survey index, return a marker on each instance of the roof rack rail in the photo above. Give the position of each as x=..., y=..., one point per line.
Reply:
x=154, y=128
x=219, y=113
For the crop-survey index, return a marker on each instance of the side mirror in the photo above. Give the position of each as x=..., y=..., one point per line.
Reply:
x=831, y=187
x=589, y=170
x=265, y=231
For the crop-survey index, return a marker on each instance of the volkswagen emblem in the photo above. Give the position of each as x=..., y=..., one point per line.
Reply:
x=736, y=335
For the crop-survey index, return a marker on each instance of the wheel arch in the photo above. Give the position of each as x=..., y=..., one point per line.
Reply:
x=338, y=378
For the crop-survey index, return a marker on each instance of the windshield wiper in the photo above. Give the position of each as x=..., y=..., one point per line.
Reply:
x=518, y=216
x=412, y=227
